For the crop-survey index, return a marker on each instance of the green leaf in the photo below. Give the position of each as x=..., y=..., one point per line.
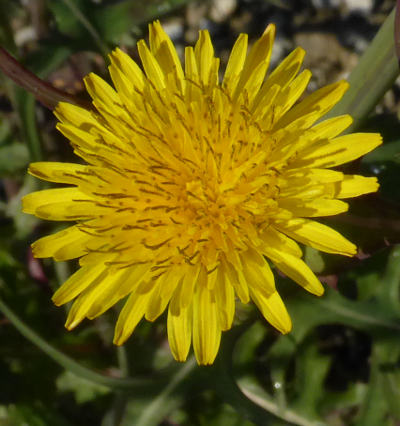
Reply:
x=32, y=415
x=314, y=259
x=311, y=369
x=13, y=158
x=307, y=312
x=7, y=13
x=83, y=390
x=67, y=22
x=374, y=74
x=382, y=395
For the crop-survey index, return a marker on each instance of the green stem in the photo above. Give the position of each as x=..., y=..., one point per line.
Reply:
x=144, y=386
x=374, y=74
x=123, y=361
x=27, y=112
x=169, y=398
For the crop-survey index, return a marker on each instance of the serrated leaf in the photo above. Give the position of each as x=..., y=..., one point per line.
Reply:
x=307, y=312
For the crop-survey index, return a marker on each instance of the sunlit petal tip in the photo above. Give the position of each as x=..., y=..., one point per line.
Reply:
x=72, y=323
x=319, y=292
x=286, y=327
x=33, y=168
x=188, y=182
x=270, y=30
x=26, y=205
x=344, y=85
x=119, y=339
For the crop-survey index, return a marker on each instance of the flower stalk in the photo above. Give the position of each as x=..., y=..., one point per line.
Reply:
x=374, y=74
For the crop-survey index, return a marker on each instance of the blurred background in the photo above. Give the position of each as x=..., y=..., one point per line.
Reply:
x=341, y=364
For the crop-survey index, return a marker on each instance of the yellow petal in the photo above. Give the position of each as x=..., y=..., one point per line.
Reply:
x=125, y=281
x=204, y=54
x=257, y=59
x=93, y=300
x=63, y=245
x=273, y=238
x=77, y=283
x=235, y=63
x=129, y=68
x=151, y=67
x=225, y=298
x=354, y=186
x=329, y=128
x=338, y=151
x=287, y=70
x=61, y=207
x=79, y=117
x=164, y=50
x=124, y=87
x=101, y=91
x=191, y=69
x=302, y=176
x=283, y=74
x=237, y=280
x=318, y=236
x=289, y=96
x=273, y=310
x=188, y=283
x=258, y=275
x=31, y=202
x=320, y=101
x=129, y=318
x=158, y=301
x=57, y=172
x=296, y=269
x=206, y=329
x=180, y=332
x=313, y=208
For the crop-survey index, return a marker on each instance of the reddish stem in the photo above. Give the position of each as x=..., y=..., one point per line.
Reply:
x=44, y=92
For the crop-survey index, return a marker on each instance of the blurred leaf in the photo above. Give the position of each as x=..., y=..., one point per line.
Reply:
x=7, y=12
x=169, y=398
x=388, y=152
x=27, y=112
x=30, y=415
x=257, y=395
x=314, y=259
x=388, y=291
x=382, y=395
x=311, y=369
x=13, y=158
x=249, y=342
x=82, y=389
x=23, y=223
x=374, y=74
x=308, y=312
x=116, y=18
x=25, y=102
x=352, y=397
x=67, y=22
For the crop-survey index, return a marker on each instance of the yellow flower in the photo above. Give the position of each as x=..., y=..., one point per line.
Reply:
x=192, y=183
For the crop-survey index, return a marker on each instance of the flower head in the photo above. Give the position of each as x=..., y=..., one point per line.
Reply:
x=193, y=186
